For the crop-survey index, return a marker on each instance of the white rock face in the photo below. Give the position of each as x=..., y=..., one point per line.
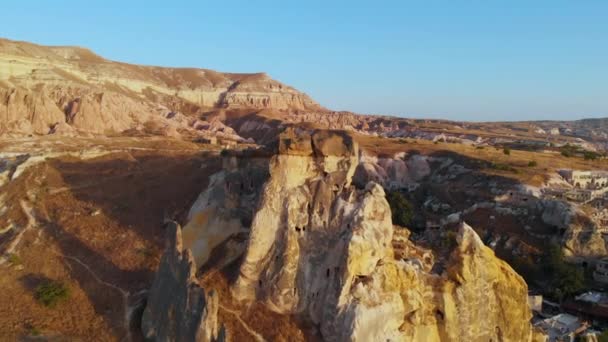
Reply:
x=189, y=314
x=321, y=249
x=221, y=211
x=392, y=173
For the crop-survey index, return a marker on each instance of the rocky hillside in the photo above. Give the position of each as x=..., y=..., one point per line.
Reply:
x=326, y=252
x=47, y=89
x=72, y=91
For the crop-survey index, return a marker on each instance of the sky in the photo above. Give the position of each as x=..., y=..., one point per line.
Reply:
x=464, y=60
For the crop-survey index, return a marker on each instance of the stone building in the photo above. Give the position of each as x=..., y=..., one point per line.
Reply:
x=586, y=179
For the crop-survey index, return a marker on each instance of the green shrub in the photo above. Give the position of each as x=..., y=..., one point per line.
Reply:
x=568, y=150
x=506, y=151
x=588, y=155
x=532, y=163
x=449, y=240
x=51, y=292
x=503, y=167
x=14, y=259
x=33, y=331
x=480, y=147
x=224, y=153
x=567, y=279
x=401, y=208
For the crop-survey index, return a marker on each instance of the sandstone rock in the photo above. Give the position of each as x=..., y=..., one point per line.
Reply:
x=294, y=141
x=43, y=86
x=321, y=249
x=178, y=309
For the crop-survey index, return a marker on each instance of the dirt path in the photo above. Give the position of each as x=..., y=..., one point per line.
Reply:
x=124, y=294
x=31, y=222
x=237, y=315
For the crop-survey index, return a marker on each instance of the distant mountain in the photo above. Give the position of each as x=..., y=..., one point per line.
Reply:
x=42, y=86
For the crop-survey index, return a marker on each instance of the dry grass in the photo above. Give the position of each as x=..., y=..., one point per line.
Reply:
x=518, y=160
x=103, y=212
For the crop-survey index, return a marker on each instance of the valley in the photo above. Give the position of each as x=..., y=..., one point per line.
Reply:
x=268, y=217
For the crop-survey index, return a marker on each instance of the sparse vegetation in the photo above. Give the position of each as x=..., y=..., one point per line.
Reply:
x=566, y=279
x=33, y=331
x=401, y=208
x=14, y=259
x=51, y=292
x=532, y=163
x=568, y=150
x=448, y=240
x=479, y=147
x=503, y=167
x=589, y=155
x=145, y=252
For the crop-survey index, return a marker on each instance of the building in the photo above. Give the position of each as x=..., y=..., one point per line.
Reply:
x=562, y=327
x=578, y=195
x=586, y=179
x=592, y=305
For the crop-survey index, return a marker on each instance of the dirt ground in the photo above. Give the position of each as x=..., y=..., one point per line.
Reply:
x=518, y=160
x=96, y=226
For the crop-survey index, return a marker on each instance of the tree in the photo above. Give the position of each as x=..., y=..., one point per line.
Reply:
x=51, y=292
x=401, y=208
x=567, y=279
x=588, y=155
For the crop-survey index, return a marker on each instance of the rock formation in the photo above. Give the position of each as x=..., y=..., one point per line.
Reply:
x=42, y=86
x=225, y=208
x=178, y=309
x=392, y=173
x=322, y=249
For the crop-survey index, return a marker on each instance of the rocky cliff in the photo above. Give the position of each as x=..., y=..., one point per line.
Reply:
x=178, y=309
x=321, y=249
x=42, y=86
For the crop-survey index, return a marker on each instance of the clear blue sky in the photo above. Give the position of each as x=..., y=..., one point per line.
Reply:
x=469, y=60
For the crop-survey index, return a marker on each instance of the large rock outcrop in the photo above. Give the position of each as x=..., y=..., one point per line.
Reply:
x=178, y=309
x=224, y=210
x=41, y=86
x=321, y=249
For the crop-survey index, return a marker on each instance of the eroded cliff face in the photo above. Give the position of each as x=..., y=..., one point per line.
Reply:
x=39, y=86
x=178, y=309
x=324, y=250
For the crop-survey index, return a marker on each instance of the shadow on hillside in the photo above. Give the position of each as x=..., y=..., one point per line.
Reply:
x=132, y=193
x=482, y=182
x=31, y=281
x=139, y=194
x=107, y=286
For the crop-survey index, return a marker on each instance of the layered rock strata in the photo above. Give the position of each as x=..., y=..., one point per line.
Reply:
x=42, y=86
